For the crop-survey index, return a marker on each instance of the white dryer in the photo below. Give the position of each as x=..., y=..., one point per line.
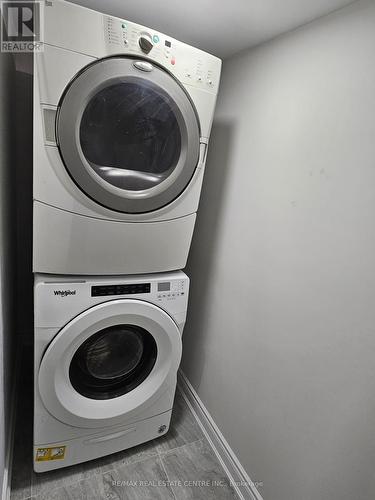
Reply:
x=122, y=119
x=107, y=351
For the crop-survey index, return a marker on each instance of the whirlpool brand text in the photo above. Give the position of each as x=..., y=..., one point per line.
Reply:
x=64, y=293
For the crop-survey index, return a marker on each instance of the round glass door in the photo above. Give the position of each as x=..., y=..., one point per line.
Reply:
x=113, y=362
x=128, y=138
x=115, y=358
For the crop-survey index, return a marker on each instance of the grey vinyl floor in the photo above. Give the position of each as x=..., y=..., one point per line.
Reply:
x=179, y=466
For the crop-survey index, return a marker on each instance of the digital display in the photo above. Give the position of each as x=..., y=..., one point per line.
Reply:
x=105, y=290
x=167, y=43
x=164, y=287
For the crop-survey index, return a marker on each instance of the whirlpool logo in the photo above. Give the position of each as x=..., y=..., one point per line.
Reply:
x=65, y=293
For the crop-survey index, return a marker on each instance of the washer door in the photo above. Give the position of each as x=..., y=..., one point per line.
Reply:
x=112, y=360
x=128, y=134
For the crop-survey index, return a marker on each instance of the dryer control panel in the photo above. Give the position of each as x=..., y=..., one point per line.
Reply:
x=85, y=31
x=190, y=65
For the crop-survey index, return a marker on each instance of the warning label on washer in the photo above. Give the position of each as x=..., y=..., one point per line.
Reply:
x=56, y=453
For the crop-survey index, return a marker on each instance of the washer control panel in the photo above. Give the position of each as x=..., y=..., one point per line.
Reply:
x=190, y=65
x=170, y=290
x=58, y=300
x=165, y=290
x=119, y=289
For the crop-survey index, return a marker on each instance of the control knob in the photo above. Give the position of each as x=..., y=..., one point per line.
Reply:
x=145, y=42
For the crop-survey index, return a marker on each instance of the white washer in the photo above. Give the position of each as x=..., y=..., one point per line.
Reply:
x=122, y=119
x=107, y=351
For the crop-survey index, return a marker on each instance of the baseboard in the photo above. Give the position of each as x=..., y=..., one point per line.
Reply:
x=241, y=482
x=7, y=477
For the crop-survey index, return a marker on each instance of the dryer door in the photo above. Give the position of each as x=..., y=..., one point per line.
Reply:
x=128, y=134
x=114, y=359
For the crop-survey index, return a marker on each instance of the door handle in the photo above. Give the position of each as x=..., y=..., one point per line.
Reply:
x=143, y=66
x=109, y=437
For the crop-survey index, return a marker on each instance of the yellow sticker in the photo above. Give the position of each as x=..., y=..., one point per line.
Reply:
x=56, y=453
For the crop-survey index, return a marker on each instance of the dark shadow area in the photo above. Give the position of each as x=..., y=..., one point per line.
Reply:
x=23, y=435
x=22, y=172
x=24, y=204
x=7, y=255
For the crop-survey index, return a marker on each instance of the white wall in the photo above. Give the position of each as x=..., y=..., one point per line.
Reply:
x=6, y=236
x=280, y=340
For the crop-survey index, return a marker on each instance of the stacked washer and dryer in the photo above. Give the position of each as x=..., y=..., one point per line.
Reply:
x=122, y=118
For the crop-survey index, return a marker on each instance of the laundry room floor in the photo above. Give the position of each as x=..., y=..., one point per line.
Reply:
x=163, y=469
